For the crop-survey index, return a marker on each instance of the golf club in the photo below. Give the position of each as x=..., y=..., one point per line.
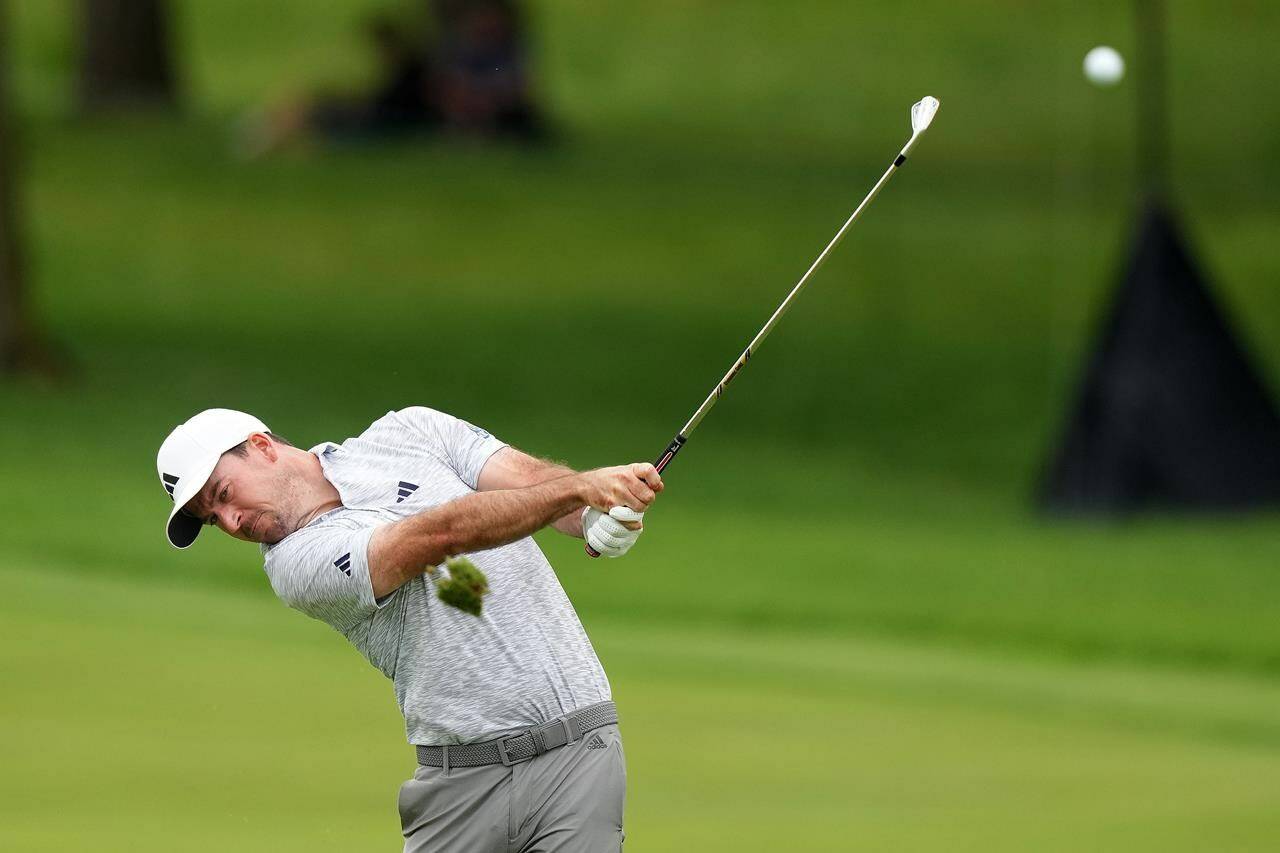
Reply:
x=922, y=113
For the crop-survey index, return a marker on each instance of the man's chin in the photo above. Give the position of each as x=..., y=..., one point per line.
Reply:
x=272, y=535
x=268, y=531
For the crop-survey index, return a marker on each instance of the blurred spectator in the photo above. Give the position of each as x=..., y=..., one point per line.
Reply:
x=398, y=101
x=469, y=78
x=482, y=80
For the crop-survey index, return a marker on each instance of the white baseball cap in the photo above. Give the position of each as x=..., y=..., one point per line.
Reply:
x=189, y=455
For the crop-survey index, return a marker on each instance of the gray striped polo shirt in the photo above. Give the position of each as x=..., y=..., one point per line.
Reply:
x=458, y=678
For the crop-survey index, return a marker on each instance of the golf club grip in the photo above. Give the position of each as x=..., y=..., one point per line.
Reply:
x=670, y=453
x=663, y=461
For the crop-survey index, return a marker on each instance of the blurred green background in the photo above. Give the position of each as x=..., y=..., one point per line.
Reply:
x=845, y=627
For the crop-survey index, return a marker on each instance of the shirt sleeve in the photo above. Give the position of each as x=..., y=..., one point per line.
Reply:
x=463, y=446
x=324, y=573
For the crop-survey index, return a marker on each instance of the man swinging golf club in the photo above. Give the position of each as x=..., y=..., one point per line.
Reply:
x=517, y=739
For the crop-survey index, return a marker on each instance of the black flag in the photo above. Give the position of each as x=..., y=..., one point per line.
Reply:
x=1172, y=413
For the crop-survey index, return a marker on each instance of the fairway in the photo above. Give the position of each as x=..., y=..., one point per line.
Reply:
x=846, y=627
x=123, y=733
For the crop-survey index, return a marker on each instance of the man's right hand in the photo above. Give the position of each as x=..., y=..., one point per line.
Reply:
x=634, y=486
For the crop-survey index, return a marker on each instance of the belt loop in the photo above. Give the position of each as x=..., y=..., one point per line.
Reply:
x=571, y=733
x=445, y=751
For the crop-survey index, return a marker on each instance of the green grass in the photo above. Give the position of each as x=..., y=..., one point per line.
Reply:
x=845, y=566
x=150, y=716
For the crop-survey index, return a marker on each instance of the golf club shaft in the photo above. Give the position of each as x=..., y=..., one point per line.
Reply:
x=716, y=393
x=682, y=436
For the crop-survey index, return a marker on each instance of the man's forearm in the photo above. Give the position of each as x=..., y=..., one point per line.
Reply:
x=484, y=520
x=475, y=522
x=544, y=470
x=570, y=524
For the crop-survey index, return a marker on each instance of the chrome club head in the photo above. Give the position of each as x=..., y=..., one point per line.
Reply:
x=922, y=112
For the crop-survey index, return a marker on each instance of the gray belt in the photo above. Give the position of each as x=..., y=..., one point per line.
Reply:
x=523, y=746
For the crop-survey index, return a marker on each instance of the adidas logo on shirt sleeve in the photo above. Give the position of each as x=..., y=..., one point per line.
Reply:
x=344, y=564
x=404, y=490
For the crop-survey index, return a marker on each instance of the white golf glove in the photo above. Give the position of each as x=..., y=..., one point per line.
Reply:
x=606, y=534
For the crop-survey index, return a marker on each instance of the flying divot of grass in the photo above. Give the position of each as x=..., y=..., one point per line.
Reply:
x=464, y=588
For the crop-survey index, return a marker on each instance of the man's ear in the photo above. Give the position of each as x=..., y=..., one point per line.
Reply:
x=262, y=443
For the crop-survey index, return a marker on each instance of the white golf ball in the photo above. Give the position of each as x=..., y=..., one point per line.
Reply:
x=1104, y=66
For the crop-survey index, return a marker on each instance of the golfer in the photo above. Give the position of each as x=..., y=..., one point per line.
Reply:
x=510, y=712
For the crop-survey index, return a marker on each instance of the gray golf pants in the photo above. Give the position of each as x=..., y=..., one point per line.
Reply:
x=567, y=800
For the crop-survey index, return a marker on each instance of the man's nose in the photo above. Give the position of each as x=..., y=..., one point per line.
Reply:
x=229, y=520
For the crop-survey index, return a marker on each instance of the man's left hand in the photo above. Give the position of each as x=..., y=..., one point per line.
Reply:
x=612, y=534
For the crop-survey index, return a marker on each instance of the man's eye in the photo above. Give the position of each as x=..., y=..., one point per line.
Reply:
x=223, y=496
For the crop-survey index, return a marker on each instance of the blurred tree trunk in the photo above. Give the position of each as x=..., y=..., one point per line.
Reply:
x=12, y=324
x=126, y=58
x=20, y=348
